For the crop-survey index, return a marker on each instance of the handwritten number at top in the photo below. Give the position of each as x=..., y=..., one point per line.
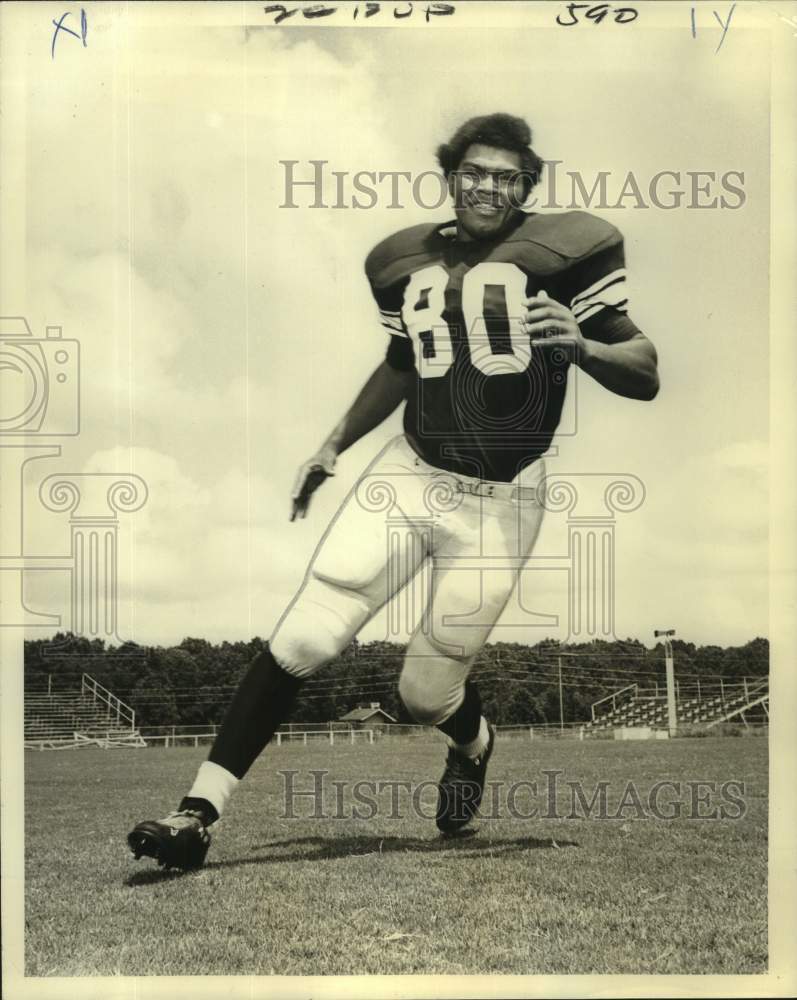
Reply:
x=596, y=13
x=400, y=10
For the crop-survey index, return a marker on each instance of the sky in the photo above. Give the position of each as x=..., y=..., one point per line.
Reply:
x=222, y=336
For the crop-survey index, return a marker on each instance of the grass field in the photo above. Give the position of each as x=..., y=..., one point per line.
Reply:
x=387, y=895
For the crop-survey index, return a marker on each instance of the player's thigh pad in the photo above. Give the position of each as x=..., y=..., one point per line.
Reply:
x=476, y=567
x=318, y=625
x=465, y=603
x=464, y=606
x=345, y=585
x=367, y=553
x=372, y=529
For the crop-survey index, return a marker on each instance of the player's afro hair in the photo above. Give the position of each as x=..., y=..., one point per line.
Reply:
x=499, y=130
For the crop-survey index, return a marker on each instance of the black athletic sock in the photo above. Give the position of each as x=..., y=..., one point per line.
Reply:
x=463, y=725
x=205, y=809
x=261, y=704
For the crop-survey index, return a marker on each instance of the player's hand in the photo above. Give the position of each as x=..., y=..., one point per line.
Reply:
x=309, y=477
x=550, y=324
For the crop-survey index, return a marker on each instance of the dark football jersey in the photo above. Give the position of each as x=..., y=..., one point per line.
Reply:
x=484, y=402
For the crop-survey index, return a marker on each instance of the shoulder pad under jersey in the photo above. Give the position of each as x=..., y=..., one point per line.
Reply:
x=572, y=235
x=404, y=249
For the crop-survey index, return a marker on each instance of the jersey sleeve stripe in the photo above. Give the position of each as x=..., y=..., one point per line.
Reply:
x=598, y=286
x=596, y=307
x=395, y=331
x=609, y=297
x=393, y=323
x=616, y=296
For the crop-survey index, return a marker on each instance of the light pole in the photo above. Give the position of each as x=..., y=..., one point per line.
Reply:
x=672, y=713
x=561, y=710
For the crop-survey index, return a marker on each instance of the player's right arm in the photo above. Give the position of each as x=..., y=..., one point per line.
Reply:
x=390, y=383
x=386, y=388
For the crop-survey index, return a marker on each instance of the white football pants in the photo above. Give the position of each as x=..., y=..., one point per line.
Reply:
x=455, y=544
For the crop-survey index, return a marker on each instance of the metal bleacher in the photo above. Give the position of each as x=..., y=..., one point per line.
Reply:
x=70, y=720
x=630, y=706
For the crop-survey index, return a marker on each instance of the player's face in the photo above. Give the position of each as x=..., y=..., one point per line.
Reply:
x=486, y=188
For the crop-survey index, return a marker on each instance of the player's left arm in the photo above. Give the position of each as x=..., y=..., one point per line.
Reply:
x=614, y=351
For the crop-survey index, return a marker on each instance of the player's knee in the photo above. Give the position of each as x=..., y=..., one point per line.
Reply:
x=319, y=625
x=416, y=696
x=432, y=691
x=301, y=646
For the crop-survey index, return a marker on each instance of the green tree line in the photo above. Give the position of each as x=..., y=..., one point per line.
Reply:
x=193, y=682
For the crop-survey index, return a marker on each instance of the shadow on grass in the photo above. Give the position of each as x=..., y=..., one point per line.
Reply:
x=326, y=849
x=155, y=876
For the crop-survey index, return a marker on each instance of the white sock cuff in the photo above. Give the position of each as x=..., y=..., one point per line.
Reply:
x=214, y=783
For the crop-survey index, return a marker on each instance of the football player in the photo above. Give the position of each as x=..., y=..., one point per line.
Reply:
x=484, y=315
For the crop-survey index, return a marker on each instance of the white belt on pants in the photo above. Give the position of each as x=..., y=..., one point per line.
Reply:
x=525, y=487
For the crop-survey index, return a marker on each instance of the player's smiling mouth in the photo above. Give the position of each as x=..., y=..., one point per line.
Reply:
x=485, y=208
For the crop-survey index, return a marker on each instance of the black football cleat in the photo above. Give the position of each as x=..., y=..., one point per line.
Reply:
x=461, y=788
x=178, y=841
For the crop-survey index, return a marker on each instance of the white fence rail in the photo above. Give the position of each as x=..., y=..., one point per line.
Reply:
x=343, y=737
x=331, y=736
